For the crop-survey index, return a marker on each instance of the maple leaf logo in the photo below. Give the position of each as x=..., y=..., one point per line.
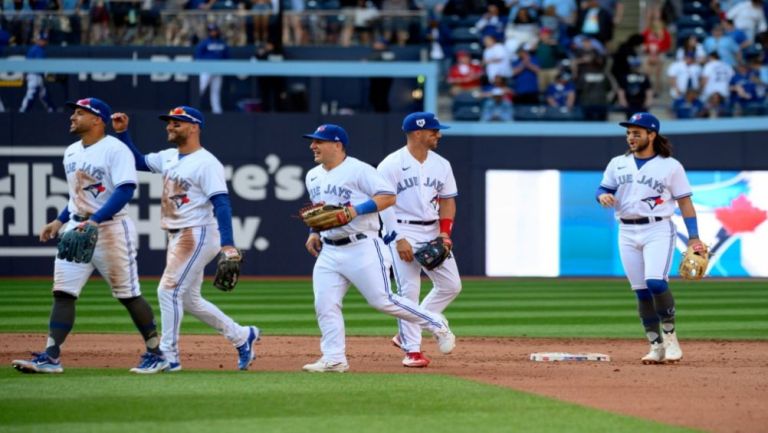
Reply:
x=741, y=216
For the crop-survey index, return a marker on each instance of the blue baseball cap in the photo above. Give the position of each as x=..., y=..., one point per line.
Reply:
x=643, y=120
x=94, y=106
x=329, y=132
x=183, y=113
x=421, y=120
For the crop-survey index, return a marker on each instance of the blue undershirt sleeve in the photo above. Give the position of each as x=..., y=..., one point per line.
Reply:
x=141, y=163
x=64, y=215
x=223, y=211
x=119, y=198
x=603, y=190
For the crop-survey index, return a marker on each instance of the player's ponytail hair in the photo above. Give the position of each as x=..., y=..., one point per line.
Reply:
x=662, y=146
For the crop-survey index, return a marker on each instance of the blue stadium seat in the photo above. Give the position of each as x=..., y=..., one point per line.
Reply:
x=563, y=114
x=691, y=21
x=530, y=112
x=471, y=114
x=696, y=7
x=683, y=34
x=466, y=106
x=473, y=48
x=464, y=34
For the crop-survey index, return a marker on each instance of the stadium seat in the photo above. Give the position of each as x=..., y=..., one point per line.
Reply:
x=691, y=21
x=471, y=114
x=530, y=112
x=696, y=7
x=464, y=34
x=563, y=114
x=473, y=48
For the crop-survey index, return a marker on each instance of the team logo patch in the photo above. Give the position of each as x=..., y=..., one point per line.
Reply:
x=652, y=202
x=421, y=122
x=95, y=189
x=180, y=200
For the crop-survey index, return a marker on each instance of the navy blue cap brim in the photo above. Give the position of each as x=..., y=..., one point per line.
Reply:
x=75, y=105
x=428, y=129
x=319, y=137
x=167, y=117
x=627, y=124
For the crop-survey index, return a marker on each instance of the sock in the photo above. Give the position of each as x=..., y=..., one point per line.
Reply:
x=648, y=316
x=144, y=319
x=664, y=303
x=61, y=322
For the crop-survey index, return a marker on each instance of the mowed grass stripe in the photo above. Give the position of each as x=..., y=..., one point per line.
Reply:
x=485, y=307
x=114, y=401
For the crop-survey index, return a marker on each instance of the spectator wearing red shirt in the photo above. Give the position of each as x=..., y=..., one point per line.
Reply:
x=464, y=75
x=656, y=43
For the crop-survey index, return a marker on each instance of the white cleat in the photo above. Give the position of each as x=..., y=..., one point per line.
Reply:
x=326, y=367
x=655, y=355
x=446, y=341
x=672, y=351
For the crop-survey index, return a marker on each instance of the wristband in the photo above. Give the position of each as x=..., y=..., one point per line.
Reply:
x=366, y=207
x=446, y=225
x=692, y=226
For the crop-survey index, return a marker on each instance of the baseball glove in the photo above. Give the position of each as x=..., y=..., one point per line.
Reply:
x=322, y=216
x=433, y=253
x=228, y=270
x=694, y=264
x=77, y=245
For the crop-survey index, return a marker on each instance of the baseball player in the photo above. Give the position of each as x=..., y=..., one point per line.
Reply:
x=642, y=186
x=35, y=81
x=353, y=253
x=194, y=190
x=212, y=48
x=425, y=209
x=101, y=178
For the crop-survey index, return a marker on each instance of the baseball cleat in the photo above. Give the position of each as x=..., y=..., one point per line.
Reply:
x=326, y=367
x=396, y=341
x=446, y=341
x=415, y=360
x=41, y=363
x=150, y=363
x=672, y=351
x=655, y=355
x=245, y=353
x=173, y=367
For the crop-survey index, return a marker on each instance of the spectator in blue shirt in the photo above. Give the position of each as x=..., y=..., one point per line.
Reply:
x=496, y=107
x=525, y=72
x=212, y=48
x=35, y=81
x=688, y=107
x=561, y=93
x=725, y=45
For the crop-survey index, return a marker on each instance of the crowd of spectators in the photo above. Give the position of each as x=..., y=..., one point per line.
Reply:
x=561, y=61
x=500, y=59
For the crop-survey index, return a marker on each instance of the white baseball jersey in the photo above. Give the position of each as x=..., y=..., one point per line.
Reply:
x=718, y=75
x=188, y=185
x=94, y=172
x=351, y=182
x=419, y=186
x=649, y=191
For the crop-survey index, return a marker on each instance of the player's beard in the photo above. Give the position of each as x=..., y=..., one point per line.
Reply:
x=640, y=147
x=177, y=137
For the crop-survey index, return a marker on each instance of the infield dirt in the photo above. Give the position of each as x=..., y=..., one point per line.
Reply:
x=719, y=386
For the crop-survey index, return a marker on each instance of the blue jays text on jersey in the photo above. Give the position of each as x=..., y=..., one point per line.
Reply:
x=652, y=183
x=410, y=182
x=333, y=190
x=92, y=171
x=179, y=182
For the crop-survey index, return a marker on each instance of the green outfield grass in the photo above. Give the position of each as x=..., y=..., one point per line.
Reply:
x=113, y=401
x=98, y=400
x=719, y=309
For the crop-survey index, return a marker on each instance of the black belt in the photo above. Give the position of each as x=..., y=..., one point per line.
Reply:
x=173, y=231
x=79, y=218
x=344, y=241
x=644, y=220
x=417, y=223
